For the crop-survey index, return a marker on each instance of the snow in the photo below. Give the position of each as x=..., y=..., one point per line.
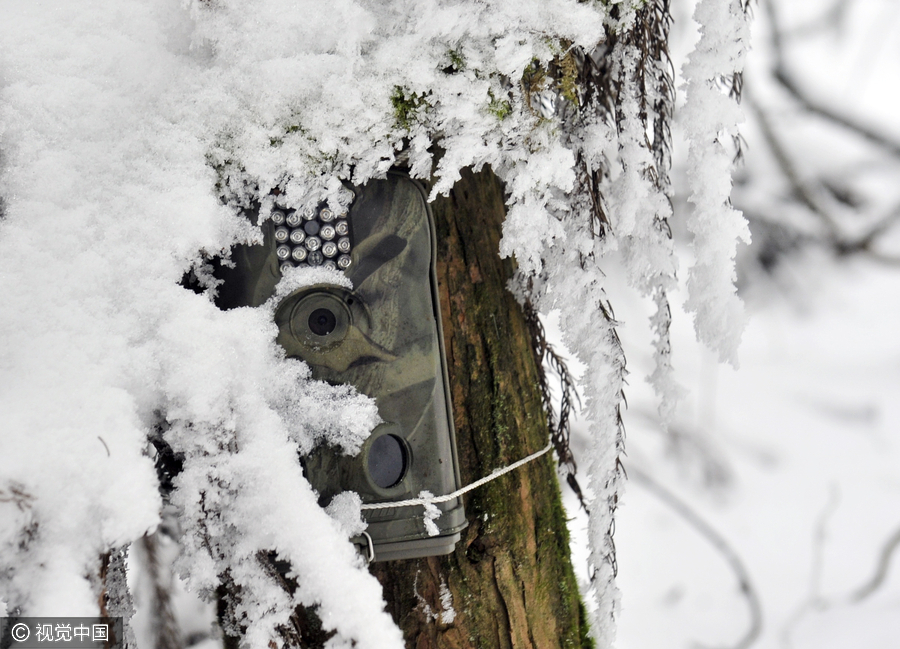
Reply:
x=131, y=136
x=109, y=115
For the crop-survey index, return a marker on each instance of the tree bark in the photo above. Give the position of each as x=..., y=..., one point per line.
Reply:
x=510, y=577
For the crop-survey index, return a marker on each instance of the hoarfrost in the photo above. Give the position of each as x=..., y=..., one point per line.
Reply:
x=710, y=118
x=131, y=138
x=430, y=515
x=448, y=614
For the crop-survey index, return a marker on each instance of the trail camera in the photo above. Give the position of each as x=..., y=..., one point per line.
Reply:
x=383, y=336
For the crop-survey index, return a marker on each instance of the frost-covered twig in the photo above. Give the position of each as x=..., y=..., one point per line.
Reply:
x=710, y=118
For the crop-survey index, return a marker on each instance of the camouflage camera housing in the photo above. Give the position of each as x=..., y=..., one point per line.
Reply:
x=383, y=337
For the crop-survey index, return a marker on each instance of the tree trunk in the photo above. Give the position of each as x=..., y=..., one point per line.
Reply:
x=510, y=577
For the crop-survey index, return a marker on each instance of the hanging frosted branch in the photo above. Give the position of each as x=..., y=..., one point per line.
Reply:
x=710, y=119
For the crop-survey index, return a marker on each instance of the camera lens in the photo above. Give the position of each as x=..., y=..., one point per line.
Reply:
x=322, y=322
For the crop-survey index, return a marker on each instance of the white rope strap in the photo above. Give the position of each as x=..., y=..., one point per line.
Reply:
x=430, y=500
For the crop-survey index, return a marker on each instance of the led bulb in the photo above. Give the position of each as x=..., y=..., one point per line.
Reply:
x=327, y=232
x=343, y=262
x=342, y=228
x=298, y=236
x=309, y=213
x=313, y=243
x=329, y=263
x=329, y=249
x=283, y=252
x=343, y=244
x=299, y=253
x=281, y=235
x=293, y=219
x=277, y=217
x=316, y=258
x=286, y=266
x=326, y=215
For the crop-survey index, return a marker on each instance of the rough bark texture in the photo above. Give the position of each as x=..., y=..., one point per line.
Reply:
x=510, y=578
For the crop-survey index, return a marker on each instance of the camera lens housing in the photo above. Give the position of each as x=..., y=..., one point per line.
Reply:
x=320, y=319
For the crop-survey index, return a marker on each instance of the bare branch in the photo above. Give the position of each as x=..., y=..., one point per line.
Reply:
x=881, y=570
x=881, y=258
x=560, y=432
x=807, y=194
x=787, y=81
x=864, y=243
x=811, y=194
x=720, y=544
x=814, y=600
x=864, y=131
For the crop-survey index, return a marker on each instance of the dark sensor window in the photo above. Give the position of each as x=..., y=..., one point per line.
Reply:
x=387, y=461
